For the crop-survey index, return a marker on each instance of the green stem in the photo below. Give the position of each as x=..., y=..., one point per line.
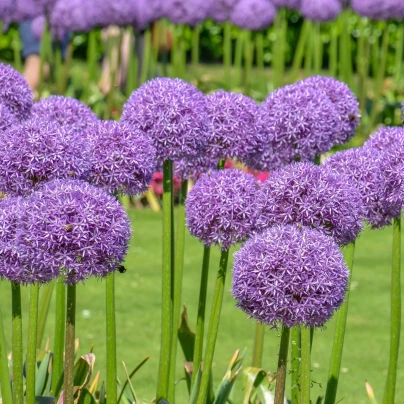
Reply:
x=114, y=44
x=65, y=69
x=111, y=339
x=334, y=50
x=338, y=344
x=282, y=364
x=308, y=58
x=196, y=31
x=395, y=327
x=68, y=385
x=345, y=48
x=227, y=54
x=178, y=271
x=200, y=322
x=305, y=365
x=60, y=326
x=213, y=326
x=17, y=50
x=295, y=362
x=43, y=311
x=5, y=384
x=399, y=52
x=42, y=56
x=133, y=65
x=362, y=66
x=248, y=60
x=167, y=303
x=258, y=345
x=318, y=48
x=92, y=57
x=17, y=349
x=281, y=27
x=238, y=59
x=31, y=348
x=146, y=57
x=299, y=53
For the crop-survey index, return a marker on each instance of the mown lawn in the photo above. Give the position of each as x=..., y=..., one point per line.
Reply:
x=138, y=317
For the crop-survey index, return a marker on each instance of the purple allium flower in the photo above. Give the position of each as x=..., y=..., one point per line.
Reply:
x=74, y=229
x=37, y=151
x=14, y=92
x=222, y=207
x=123, y=159
x=65, y=111
x=290, y=4
x=221, y=9
x=146, y=12
x=7, y=119
x=193, y=168
x=345, y=102
x=6, y=7
x=38, y=26
x=309, y=195
x=320, y=10
x=379, y=10
x=190, y=12
x=295, y=122
x=23, y=10
x=290, y=275
x=173, y=114
x=233, y=119
x=253, y=14
x=362, y=166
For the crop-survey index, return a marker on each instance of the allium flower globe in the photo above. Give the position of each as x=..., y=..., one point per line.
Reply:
x=222, y=207
x=37, y=151
x=362, y=166
x=221, y=9
x=320, y=10
x=15, y=93
x=173, y=115
x=309, y=195
x=122, y=158
x=345, y=102
x=233, y=119
x=290, y=4
x=190, y=12
x=65, y=111
x=295, y=122
x=290, y=275
x=253, y=14
x=7, y=119
x=379, y=10
x=74, y=229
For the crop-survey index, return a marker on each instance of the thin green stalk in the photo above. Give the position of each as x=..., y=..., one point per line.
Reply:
x=258, y=345
x=318, y=48
x=92, y=56
x=43, y=311
x=167, y=303
x=295, y=363
x=111, y=340
x=248, y=60
x=66, y=68
x=238, y=60
x=281, y=27
x=260, y=52
x=282, y=364
x=200, y=322
x=132, y=71
x=43, y=50
x=16, y=42
x=300, y=50
x=5, y=384
x=31, y=348
x=345, y=48
x=362, y=69
x=154, y=56
x=308, y=58
x=68, y=386
x=196, y=32
x=17, y=350
x=399, y=53
x=334, y=50
x=395, y=327
x=213, y=327
x=178, y=271
x=114, y=43
x=227, y=54
x=305, y=365
x=146, y=57
x=60, y=327
x=181, y=53
x=338, y=344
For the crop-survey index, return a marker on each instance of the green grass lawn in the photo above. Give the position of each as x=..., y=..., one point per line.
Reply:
x=138, y=317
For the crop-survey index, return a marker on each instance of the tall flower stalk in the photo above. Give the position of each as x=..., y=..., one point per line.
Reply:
x=295, y=342
x=305, y=365
x=5, y=381
x=68, y=385
x=111, y=340
x=282, y=364
x=258, y=345
x=17, y=349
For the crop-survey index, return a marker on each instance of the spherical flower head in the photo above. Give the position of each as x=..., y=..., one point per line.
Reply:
x=15, y=93
x=295, y=122
x=6, y=7
x=222, y=207
x=38, y=26
x=345, y=102
x=146, y=12
x=222, y=9
x=37, y=151
x=320, y=10
x=385, y=138
x=190, y=12
x=7, y=119
x=379, y=10
x=65, y=111
x=122, y=158
x=233, y=120
x=253, y=14
x=290, y=4
x=173, y=115
x=74, y=229
x=290, y=275
x=308, y=195
x=362, y=167
x=23, y=10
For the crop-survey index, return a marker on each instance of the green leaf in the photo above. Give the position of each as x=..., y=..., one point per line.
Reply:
x=253, y=377
x=186, y=337
x=134, y=371
x=86, y=398
x=83, y=370
x=130, y=383
x=265, y=395
x=42, y=375
x=195, y=388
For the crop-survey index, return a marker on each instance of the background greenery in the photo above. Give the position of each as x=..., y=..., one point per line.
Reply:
x=138, y=316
